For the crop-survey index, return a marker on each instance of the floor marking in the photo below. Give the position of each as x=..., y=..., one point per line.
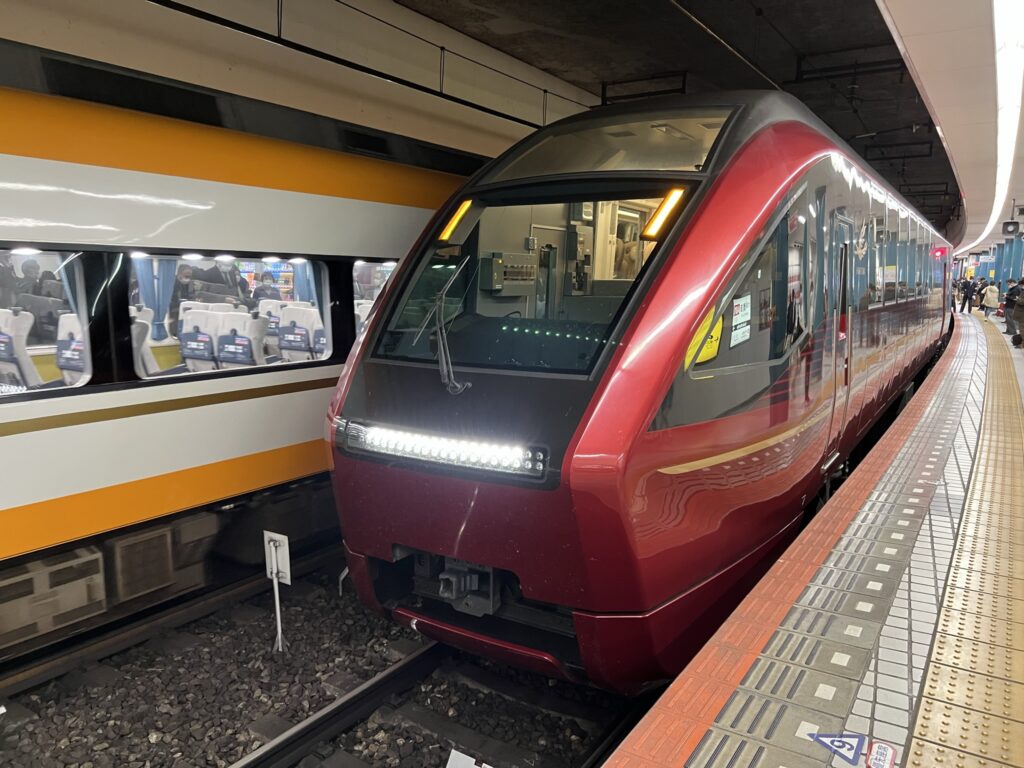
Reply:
x=849, y=746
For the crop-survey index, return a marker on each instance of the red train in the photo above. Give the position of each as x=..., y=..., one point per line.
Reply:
x=595, y=398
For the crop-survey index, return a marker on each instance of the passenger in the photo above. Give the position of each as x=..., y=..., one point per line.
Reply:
x=990, y=298
x=8, y=281
x=29, y=282
x=44, y=277
x=1012, y=292
x=184, y=290
x=1018, y=315
x=266, y=289
x=226, y=273
x=967, y=294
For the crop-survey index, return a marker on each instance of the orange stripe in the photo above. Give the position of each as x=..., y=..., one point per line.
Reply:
x=56, y=521
x=55, y=128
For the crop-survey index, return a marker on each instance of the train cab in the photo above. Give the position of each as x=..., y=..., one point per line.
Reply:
x=594, y=399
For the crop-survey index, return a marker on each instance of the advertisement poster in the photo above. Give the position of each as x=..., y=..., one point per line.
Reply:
x=741, y=310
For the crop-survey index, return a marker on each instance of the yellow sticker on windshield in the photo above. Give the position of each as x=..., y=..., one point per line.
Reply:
x=710, y=349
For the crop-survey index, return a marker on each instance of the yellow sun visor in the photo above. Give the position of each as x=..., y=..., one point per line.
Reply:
x=657, y=222
x=453, y=222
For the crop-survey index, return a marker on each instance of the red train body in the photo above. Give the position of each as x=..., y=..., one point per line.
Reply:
x=683, y=415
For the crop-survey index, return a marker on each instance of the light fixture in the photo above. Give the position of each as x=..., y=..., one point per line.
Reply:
x=270, y=259
x=812, y=211
x=25, y=251
x=390, y=264
x=139, y=255
x=223, y=257
x=801, y=219
x=1008, y=44
x=192, y=256
x=661, y=215
x=297, y=260
x=449, y=228
x=504, y=458
x=359, y=263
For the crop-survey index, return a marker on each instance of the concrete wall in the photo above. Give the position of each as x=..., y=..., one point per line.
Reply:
x=146, y=37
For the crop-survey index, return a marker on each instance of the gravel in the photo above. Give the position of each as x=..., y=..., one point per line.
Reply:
x=391, y=745
x=190, y=701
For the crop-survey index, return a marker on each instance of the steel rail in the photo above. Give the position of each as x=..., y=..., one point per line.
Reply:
x=340, y=715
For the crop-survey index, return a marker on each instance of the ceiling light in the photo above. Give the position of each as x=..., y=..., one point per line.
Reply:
x=25, y=251
x=270, y=259
x=359, y=262
x=1008, y=38
x=192, y=256
x=504, y=458
x=223, y=257
x=390, y=264
x=139, y=255
x=297, y=260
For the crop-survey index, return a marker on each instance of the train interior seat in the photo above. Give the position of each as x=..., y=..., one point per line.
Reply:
x=72, y=353
x=16, y=367
x=301, y=333
x=46, y=311
x=222, y=306
x=271, y=309
x=240, y=340
x=140, y=345
x=197, y=331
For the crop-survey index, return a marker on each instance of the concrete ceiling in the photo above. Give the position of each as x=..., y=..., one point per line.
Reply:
x=948, y=45
x=838, y=58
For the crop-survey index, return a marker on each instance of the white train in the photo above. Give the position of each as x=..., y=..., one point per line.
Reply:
x=176, y=302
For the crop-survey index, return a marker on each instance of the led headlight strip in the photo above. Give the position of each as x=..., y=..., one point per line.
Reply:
x=507, y=458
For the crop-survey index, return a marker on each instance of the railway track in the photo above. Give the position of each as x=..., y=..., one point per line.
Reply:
x=394, y=701
x=49, y=663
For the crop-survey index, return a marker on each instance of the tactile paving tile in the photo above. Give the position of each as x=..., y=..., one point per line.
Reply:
x=789, y=682
x=921, y=754
x=976, y=656
x=984, y=693
x=971, y=731
x=814, y=653
x=721, y=748
x=776, y=723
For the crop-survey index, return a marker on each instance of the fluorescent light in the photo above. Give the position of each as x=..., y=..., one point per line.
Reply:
x=661, y=215
x=1008, y=39
x=25, y=251
x=812, y=211
x=270, y=259
x=449, y=228
x=223, y=257
x=801, y=219
x=505, y=458
x=359, y=262
x=192, y=256
x=139, y=255
x=297, y=260
x=390, y=264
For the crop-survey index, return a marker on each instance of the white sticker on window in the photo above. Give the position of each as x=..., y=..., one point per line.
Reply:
x=741, y=310
x=739, y=334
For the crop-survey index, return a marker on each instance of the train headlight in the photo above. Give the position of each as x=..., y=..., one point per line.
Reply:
x=506, y=458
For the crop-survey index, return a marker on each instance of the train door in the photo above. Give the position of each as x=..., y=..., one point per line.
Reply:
x=842, y=239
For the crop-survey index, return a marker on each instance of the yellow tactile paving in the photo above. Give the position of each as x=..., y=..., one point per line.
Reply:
x=972, y=708
x=925, y=755
x=975, y=656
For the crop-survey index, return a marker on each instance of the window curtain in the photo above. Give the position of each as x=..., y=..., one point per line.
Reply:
x=143, y=269
x=165, y=273
x=303, y=284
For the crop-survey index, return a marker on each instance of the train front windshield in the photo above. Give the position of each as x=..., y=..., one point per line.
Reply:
x=531, y=287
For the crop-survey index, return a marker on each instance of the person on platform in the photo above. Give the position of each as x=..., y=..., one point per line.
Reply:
x=967, y=294
x=990, y=299
x=1013, y=290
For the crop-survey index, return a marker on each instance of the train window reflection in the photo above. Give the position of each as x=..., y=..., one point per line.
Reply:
x=192, y=312
x=368, y=279
x=43, y=321
x=531, y=287
x=681, y=142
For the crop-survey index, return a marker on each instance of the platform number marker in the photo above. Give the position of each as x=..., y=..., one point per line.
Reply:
x=849, y=746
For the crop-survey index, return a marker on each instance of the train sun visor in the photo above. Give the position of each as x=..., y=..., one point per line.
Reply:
x=677, y=141
x=537, y=284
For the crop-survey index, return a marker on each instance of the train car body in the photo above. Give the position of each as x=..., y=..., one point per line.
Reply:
x=111, y=421
x=597, y=396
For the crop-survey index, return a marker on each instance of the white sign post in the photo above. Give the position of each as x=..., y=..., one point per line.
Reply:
x=279, y=570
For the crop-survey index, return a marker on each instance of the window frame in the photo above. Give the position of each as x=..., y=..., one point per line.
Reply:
x=106, y=285
x=750, y=260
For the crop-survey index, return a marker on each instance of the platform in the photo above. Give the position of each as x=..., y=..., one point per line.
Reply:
x=891, y=632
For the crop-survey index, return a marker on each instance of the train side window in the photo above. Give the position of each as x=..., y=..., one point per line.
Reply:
x=368, y=279
x=43, y=321
x=193, y=313
x=736, y=358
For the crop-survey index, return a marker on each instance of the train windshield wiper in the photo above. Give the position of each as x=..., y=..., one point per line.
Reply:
x=444, y=357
